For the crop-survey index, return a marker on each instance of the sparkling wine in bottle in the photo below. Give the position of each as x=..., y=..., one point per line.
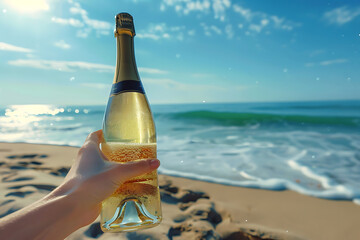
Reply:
x=129, y=135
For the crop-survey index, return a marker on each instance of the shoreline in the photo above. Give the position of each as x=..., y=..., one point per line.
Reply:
x=35, y=169
x=223, y=182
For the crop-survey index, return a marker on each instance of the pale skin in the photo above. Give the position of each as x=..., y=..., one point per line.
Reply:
x=77, y=201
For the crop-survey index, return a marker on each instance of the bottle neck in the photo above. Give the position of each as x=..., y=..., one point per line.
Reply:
x=125, y=59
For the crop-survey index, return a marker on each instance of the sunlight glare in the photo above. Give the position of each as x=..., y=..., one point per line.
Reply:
x=22, y=116
x=28, y=6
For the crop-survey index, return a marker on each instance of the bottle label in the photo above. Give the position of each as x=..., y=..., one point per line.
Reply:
x=127, y=86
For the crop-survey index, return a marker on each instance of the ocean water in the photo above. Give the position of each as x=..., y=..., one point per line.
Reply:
x=309, y=147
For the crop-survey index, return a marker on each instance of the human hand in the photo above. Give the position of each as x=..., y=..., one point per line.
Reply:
x=92, y=178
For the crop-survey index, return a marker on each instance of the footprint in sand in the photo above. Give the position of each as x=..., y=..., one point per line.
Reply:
x=25, y=161
x=198, y=215
x=47, y=187
x=33, y=164
x=21, y=194
x=60, y=171
x=200, y=218
x=193, y=229
x=27, y=156
x=36, y=163
x=13, y=178
x=203, y=210
x=16, y=167
x=173, y=195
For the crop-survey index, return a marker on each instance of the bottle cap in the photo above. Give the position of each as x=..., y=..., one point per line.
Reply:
x=124, y=21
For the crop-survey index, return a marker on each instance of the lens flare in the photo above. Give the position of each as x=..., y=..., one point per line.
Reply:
x=28, y=6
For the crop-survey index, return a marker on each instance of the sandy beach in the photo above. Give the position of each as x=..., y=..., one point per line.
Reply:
x=191, y=209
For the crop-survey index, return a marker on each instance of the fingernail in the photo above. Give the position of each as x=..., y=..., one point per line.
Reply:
x=154, y=163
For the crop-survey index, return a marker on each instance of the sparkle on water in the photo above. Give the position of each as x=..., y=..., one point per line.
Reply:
x=22, y=116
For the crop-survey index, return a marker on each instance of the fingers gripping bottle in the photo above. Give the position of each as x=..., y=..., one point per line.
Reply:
x=129, y=135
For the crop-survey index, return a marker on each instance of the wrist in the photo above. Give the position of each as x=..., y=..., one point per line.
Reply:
x=53, y=217
x=62, y=213
x=76, y=209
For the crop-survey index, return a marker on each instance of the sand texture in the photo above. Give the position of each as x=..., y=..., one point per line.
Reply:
x=191, y=209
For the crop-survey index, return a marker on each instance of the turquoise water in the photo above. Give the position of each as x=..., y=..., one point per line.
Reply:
x=309, y=147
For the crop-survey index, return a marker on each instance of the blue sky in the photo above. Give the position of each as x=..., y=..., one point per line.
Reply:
x=187, y=51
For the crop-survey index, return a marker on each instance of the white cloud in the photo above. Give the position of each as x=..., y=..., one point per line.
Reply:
x=151, y=70
x=257, y=21
x=219, y=7
x=62, y=44
x=164, y=82
x=191, y=32
x=216, y=29
x=252, y=22
x=193, y=6
x=229, y=31
x=258, y=27
x=206, y=29
x=281, y=23
x=96, y=85
x=245, y=13
x=209, y=30
x=172, y=84
x=310, y=64
x=86, y=23
x=255, y=28
x=185, y=7
x=203, y=75
x=335, y=61
x=83, y=33
x=148, y=35
x=326, y=62
x=66, y=66
x=71, y=66
x=162, y=31
x=13, y=48
x=69, y=21
x=317, y=52
x=341, y=15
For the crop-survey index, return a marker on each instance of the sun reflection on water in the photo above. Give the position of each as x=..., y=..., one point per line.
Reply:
x=50, y=124
x=25, y=116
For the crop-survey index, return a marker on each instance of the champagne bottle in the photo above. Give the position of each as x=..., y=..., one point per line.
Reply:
x=129, y=135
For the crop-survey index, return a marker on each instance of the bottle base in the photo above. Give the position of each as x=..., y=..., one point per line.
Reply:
x=130, y=215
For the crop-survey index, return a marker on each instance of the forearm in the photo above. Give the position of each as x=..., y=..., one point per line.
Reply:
x=77, y=202
x=53, y=217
